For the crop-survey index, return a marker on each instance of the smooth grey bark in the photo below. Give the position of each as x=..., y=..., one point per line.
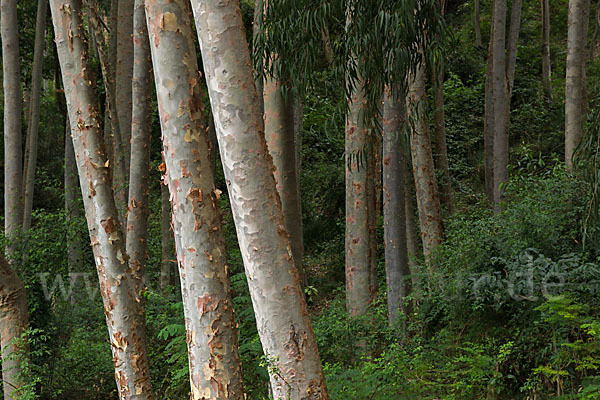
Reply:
x=138, y=209
x=13, y=323
x=124, y=312
x=124, y=76
x=575, y=92
x=358, y=206
x=11, y=74
x=439, y=134
x=34, y=113
x=273, y=280
x=72, y=211
x=214, y=364
x=426, y=186
x=546, y=64
x=499, y=96
x=166, y=241
x=394, y=211
x=280, y=134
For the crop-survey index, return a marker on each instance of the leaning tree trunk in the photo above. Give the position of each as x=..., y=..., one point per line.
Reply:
x=123, y=310
x=11, y=74
x=34, y=113
x=428, y=200
x=215, y=369
x=394, y=213
x=13, y=322
x=574, y=83
x=281, y=312
x=141, y=138
x=546, y=65
x=280, y=136
x=500, y=102
x=358, y=206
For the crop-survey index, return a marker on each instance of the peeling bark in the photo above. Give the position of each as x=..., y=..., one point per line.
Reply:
x=13, y=323
x=394, y=212
x=575, y=92
x=280, y=137
x=124, y=312
x=215, y=370
x=34, y=115
x=281, y=312
x=426, y=187
x=11, y=74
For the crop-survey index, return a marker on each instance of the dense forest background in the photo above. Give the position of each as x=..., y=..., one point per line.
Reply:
x=506, y=308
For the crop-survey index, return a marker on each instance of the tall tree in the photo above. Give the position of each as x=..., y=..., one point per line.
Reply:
x=575, y=92
x=141, y=138
x=439, y=134
x=124, y=76
x=215, y=370
x=394, y=212
x=11, y=74
x=279, y=306
x=13, y=323
x=123, y=310
x=488, y=127
x=426, y=187
x=34, y=113
x=546, y=64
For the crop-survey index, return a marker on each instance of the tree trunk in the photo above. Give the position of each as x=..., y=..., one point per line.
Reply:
x=215, y=370
x=298, y=131
x=575, y=113
x=72, y=211
x=11, y=74
x=373, y=195
x=13, y=323
x=594, y=41
x=124, y=313
x=394, y=212
x=358, y=224
x=141, y=138
x=441, y=148
x=34, y=116
x=488, y=127
x=428, y=200
x=412, y=241
x=279, y=306
x=256, y=26
x=166, y=243
x=478, y=41
x=546, y=65
x=499, y=90
x=511, y=50
x=280, y=137
x=124, y=76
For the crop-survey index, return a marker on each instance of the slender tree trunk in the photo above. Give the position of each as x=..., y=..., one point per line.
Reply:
x=13, y=323
x=256, y=27
x=511, y=50
x=546, y=65
x=478, y=41
x=488, y=128
x=358, y=238
x=166, y=243
x=575, y=92
x=124, y=76
x=441, y=148
x=499, y=90
x=141, y=137
x=428, y=200
x=34, y=117
x=11, y=71
x=123, y=310
x=215, y=370
x=280, y=137
x=373, y=208
x=279, y=306
x=394, y=211
x=72, y=211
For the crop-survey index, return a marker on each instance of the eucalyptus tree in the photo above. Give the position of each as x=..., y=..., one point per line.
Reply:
x=124, y=76
x=123, y=310
x=214, y=364
x=33, y=119
x=575, y=92
x=281, y=312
